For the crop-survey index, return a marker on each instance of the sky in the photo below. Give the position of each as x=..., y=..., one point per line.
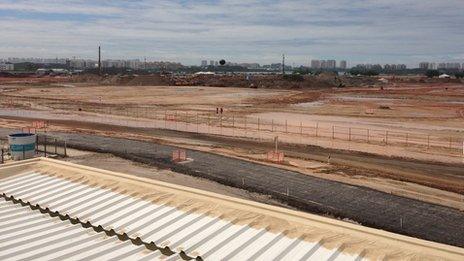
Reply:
x=188, y=31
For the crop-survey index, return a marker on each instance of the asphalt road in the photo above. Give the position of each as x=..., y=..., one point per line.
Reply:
x=315, y=195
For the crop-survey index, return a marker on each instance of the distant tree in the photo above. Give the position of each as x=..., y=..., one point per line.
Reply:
x=26, y=66
x=459, y=75
x=432, y=73
x=358, y=71
x=302, y=70
x=293, y=77
x=371, y=73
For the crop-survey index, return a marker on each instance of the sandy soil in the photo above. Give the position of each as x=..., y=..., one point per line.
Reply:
x=112, y=163
x=431, y=188
x=435, y=110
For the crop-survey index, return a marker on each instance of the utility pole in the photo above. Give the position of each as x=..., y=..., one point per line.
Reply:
x=283, y=64
x=99, y=61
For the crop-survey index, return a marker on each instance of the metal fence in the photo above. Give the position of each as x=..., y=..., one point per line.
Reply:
x=46, y=145
x=256, y=127
x=51, y=146
x=231, y=124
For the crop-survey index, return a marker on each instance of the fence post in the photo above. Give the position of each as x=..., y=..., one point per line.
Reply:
x=349, y=134
x=317, y=129
x=55, y=146
x=463, y=149
x=209, y=123
x=272, y=126
x=175, y=119
x=407, y=138
x=197, y=122
x=258, y=125
x=428, y=141
x=286, y=127
x=165, y=118
x=45, y=145
x=368, y=138
x=186, y=121
x=333, y=132
x=301, y=128
x=386, y=137
x=65, y=149
x=2, y=157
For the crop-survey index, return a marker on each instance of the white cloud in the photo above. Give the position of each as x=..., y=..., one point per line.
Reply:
x=258, y=30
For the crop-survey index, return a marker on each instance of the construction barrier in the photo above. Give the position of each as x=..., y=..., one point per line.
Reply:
x=179, y=155
x=275, y=156
x=39, y=124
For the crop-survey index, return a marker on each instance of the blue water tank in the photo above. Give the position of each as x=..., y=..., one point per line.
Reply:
x=22, y=145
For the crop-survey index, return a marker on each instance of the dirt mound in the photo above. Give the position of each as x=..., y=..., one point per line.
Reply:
x=123, y=80
x=323, y=80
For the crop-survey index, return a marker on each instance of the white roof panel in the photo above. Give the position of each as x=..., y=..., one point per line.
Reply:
x=180, y=230
x=31, y=235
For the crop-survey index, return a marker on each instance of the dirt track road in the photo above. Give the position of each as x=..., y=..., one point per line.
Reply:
x=445, y=176
x=316, y=195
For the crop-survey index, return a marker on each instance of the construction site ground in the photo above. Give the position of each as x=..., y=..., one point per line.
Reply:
x=412, y=155
x=422, y=121
x=305, y=192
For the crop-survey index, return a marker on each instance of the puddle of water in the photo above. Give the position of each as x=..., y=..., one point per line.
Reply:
x=309, y=104
x=351, y=98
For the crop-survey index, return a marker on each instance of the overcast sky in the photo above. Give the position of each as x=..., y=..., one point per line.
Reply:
x=383, y=31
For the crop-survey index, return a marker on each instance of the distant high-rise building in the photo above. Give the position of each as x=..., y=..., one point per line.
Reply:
x=6, y=66
x=394, y=67
x=342, y=64
x=389, y=67
x=315, y=64
x=323, y=64
x=453, y=66
x=204, y=63
x=424, y=65
x=441, y=66
x=211, y=63
x=432, y=66
x=331, y=64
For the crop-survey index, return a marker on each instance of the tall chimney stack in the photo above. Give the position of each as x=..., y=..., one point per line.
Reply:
x=99, y=61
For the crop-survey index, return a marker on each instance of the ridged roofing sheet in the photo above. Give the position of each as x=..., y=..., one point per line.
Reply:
x=196, y=235
x=28, y=234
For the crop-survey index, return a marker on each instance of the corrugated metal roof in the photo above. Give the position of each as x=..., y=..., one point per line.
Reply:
x=196, y=235
x=28, y=234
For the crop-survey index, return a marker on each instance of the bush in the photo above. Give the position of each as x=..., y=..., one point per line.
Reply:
x=432, y=73
x=357, y=71
x=293, y=77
